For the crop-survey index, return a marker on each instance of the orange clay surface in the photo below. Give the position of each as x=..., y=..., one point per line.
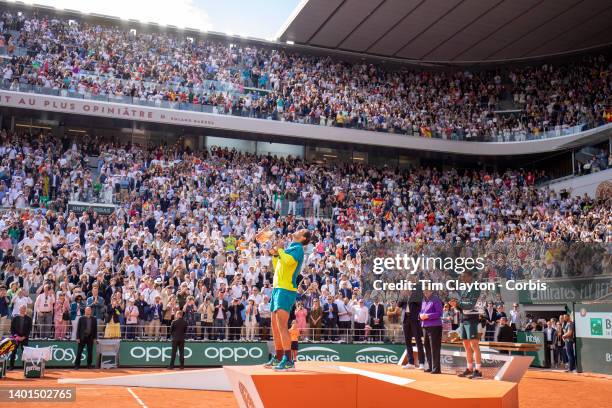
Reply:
x=538, y=389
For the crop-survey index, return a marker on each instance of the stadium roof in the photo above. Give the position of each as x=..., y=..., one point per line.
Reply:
x=452, y=31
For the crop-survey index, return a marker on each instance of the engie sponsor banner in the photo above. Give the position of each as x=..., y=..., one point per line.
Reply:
x=63, y=353
x=593, y=324
x=358, y=353
x=154, y=353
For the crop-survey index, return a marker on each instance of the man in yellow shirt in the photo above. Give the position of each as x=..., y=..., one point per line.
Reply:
x=287, y=265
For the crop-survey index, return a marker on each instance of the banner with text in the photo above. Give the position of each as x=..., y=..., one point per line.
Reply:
x=532, y=337
x=154, y=353
x=594, y=337
x=63, y=353
x=202, y=354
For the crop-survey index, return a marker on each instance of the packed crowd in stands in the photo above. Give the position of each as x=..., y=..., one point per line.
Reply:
x=83, y=59
x=182, y=234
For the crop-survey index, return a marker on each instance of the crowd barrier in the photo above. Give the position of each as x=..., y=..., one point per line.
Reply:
x=199, y=331
x=152, y=353
x=390, y=333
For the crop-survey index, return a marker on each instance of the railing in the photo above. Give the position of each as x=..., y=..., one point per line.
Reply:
x=234, y=92
x=296, y=208
x=155, y=330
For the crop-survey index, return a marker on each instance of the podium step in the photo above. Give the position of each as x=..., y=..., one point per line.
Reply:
x=358, y=385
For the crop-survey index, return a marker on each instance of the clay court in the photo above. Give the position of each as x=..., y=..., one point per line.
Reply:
x=538, y=389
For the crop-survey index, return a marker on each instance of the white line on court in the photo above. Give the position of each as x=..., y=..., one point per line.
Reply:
x=377, y=376
x=142, y=404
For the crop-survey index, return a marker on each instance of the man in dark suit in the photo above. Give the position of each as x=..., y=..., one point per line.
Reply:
x=87, y=333
x=21, y=327
x=492, y=318
x=505, y=333
x=221, y=307
x=377, y=323
x=235, y=319
x=178, y=331
x=330, y=318
x=550, y=337
x=411, y=307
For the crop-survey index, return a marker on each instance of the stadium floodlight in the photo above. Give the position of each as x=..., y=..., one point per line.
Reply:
x=290, y=42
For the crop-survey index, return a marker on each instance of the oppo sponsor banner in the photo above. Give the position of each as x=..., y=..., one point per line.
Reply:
x=593, y=324
x=154, y=353
x=63, y=353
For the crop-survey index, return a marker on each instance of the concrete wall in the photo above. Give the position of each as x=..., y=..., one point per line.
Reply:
x=299, y=132
x=247, y=146
x=280, y=149
x=583, y=184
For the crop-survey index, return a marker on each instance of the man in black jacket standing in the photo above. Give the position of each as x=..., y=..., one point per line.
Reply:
x=87, y=333
x=377, y=323
x=21, y=327
x=330, y=318
x=221, y=307
x=235, y=319
x=178, y=331
x=505, y=332
x=410, y=304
